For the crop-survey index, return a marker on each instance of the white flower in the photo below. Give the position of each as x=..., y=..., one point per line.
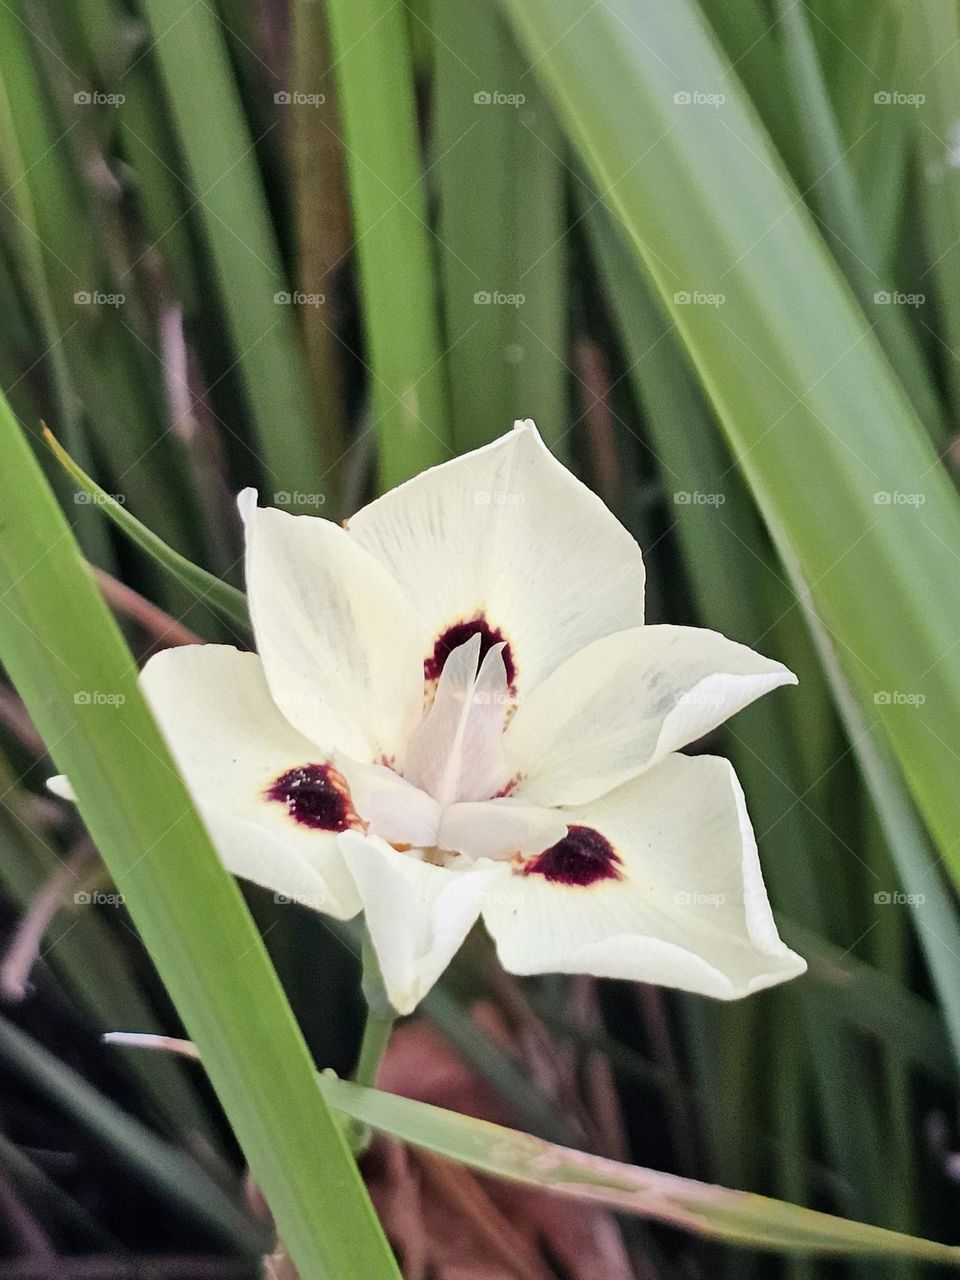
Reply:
x=456, y=711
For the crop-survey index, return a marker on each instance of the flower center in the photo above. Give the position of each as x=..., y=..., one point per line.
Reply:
x=448, y=801
x=459, y=633
x=583, y=857
x=316, y=795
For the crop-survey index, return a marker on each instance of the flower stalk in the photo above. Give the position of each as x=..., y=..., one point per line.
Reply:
x=381, y=1015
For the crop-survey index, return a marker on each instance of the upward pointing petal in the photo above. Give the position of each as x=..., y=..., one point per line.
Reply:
x=457, y=752
x=342, y=647
x=507, y=539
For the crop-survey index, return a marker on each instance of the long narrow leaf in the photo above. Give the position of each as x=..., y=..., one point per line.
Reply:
x=738, y=1217
x=225, y=187
x=820, y=427
x=70, y=664
x=228, y=601
x=391, y=232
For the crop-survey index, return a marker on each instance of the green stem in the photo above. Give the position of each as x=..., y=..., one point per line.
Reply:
x=381, y=1016
x=376, y=1035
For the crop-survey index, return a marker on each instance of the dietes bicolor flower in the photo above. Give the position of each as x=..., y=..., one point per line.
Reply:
x=456, y=711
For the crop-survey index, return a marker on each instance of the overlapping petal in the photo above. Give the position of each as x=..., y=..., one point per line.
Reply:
x=687, y=909
x=230, y=743
x=508, y=534
x=624, y=703
x=418, y=914
x=342, y=646
x=391, y=807
x=499, y=828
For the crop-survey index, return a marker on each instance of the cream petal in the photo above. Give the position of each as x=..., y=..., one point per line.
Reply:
x=231, y=743
x=507, y=533
x=265, y=858
x=624, y=703
x=390, y=806
x=457, y=752
x=689, y=908
x=417, y=914
x=341, y=645
x=499, y=828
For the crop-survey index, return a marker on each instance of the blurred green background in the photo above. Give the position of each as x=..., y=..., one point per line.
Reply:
x=714, y=250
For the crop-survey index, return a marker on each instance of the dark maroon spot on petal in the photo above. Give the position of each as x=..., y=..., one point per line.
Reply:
x=459, y=634
x=583, y=857
x=316, y=795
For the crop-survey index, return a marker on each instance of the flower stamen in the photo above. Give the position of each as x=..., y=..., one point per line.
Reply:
x=459, y=633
